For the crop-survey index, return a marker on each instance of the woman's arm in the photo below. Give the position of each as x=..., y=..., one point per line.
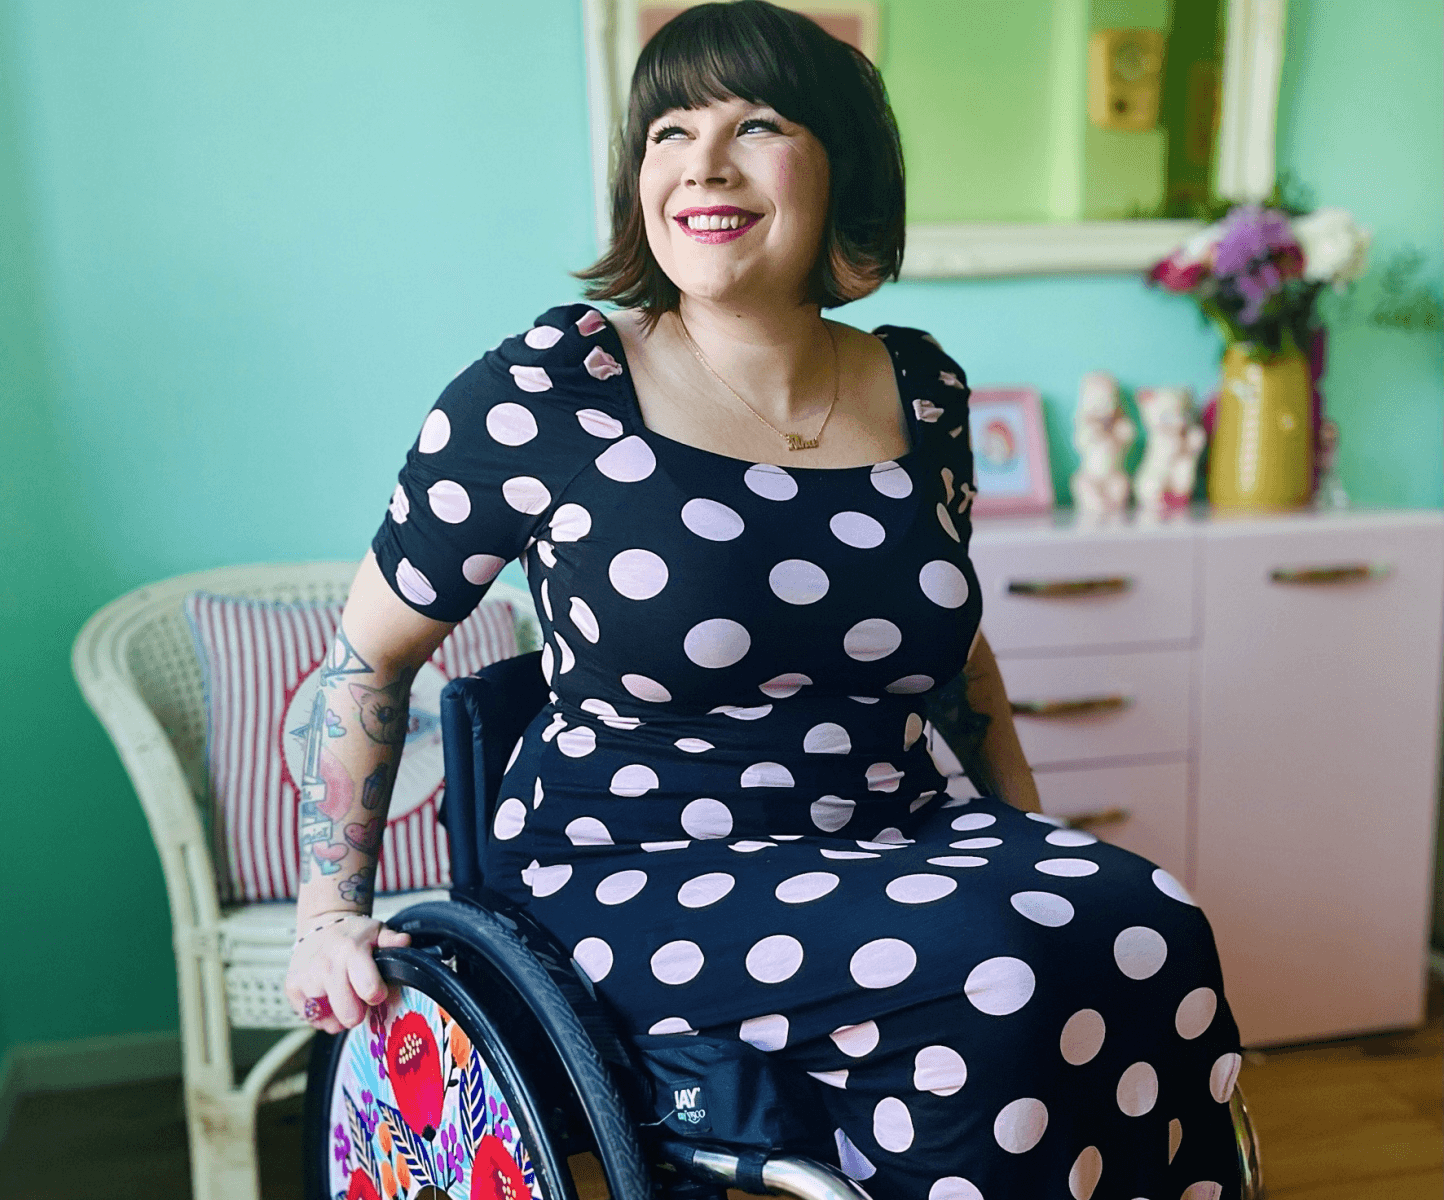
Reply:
x=997, y=767
x=358, y=730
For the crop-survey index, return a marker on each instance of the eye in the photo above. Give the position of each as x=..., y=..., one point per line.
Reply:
x=666, y=133
x=759, y=123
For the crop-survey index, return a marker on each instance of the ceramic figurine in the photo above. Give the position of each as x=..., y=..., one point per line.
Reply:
x=1101, y=435
x=1165, y=477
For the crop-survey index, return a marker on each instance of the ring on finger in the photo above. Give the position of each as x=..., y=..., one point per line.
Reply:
x=316, y=1008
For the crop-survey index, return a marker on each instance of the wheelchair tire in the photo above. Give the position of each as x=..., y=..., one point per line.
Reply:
x=426, y=1098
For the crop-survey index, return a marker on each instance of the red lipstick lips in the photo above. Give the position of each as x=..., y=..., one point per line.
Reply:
x=716, y=224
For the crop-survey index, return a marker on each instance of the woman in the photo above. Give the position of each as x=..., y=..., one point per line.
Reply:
x=746, y=530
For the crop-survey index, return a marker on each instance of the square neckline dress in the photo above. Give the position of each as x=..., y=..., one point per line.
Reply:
x=728, y=810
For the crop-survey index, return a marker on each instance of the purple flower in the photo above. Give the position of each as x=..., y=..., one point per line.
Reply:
x=1250, y=233
x=342, y=1148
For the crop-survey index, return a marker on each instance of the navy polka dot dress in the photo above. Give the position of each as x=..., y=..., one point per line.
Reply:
x=729, y=810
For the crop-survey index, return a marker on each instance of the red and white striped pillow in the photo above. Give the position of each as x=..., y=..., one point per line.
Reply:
x=261, y=663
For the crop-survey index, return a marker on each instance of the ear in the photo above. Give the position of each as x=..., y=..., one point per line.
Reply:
x=360, y=693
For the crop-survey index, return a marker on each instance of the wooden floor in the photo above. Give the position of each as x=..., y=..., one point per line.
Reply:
x=1352, y=1120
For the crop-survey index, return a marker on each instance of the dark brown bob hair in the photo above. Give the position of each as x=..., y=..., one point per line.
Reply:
x=765, y=55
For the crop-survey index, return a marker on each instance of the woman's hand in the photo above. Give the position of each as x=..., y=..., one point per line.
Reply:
x=332, y=964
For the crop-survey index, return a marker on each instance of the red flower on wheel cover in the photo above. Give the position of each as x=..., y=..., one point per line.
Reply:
x=494, y=1173
x=361, y=1187
x=415, y=1067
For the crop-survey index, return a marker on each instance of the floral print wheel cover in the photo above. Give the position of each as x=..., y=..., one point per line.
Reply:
x=416, y=1113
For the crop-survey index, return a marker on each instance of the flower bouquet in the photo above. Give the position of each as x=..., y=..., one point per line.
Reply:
x=1256, y=274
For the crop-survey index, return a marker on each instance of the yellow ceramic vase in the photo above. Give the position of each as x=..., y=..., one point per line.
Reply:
x=1262, y=453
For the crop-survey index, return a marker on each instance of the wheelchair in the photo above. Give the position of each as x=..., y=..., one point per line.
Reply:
x=494, y=1064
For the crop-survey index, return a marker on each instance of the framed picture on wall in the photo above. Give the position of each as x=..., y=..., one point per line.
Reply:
x=1010, y=451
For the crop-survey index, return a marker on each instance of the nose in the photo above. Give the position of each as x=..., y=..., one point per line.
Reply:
x=710, y=162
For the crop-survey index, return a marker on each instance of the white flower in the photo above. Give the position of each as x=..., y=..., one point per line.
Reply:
x=1335, y=249
x=1199, y=248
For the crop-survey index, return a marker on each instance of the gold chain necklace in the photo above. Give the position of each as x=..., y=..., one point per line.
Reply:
x=795, y=441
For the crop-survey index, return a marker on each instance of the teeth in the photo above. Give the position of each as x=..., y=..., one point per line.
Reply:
x=707, y=223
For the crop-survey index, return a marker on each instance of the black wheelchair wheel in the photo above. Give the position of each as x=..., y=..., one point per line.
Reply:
x=427, y=1099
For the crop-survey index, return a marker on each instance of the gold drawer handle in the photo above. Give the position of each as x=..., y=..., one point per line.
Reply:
x=1343, y=573
x=1096, y=820
x=1083, y=706
x=1067, y=589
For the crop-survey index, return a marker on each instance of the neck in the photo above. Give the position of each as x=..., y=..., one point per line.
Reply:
x=780, y=361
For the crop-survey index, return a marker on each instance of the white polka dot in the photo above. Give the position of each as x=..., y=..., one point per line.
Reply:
x=847, y=854
x=1083, y=1176
x=856, y=1041
x=545, y=552
x=741, y=712
x=526, y=495
x=515, y=751
x=1175, y=1137
x=999, y=986
x=1204, y=1189
x=588, y=831
x=779, y=687
x=548, y=665
x=591, y=322
x=707, y=818
x=1043, y=908
x=943, y=584
x=594, y=957
x=577, y=742
x=891, y=479
x=531, y=379
x=926, y=410
x=1195, y=1013
x=716, y=643
x=748, y=846
x=827, y=738
x=1139, y=951
x=882, y=963
x=671, y=1025
x=646, y=689
x=770, y=482
x=977, y=843
x=962, y=791
x=1045, y=819
x=891, y=837
x=958, y=860
x=1138, y=1090
x=775, y=958
x=400, y=506
x=413, y=584
x=546, y=881
x=509, y=819
x=973, y=821
x=1223, y=1076
x=635, y=779
x=621, y=886
x=658, y=847
x=568, y=659
x=637, y=574
x=857, y=530
x=1070, y=837
x=883, y=777
x=627, y=461
x=481, y=568
x=872, y=639
x=584, y=619
x=1066, y=867
x=854, y=1162
x=810, y=885
x=837, y=1079
x=543, y=337
x=677, y=962
x=598, y=423
x=1019, y=1126
x=600, y=364
x=940, y=1070
x=831, y=813
x=511, y=424
x=766, y=1033
x=946, y=522
x=892, y=1125
x=692, y=745
x=910, y=685
x=570, y=523
x=712, y=520
x=1082, y=1037
x=536, y=792
x=912, y=730
x=954, y=1187
x=767, y=774
x=921, y=889
x=435, y=432
x=1171, y=888
x=703, y=890
x=798, y=581
x=449, y=501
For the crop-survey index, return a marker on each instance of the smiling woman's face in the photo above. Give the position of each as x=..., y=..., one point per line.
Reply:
x=735, y=198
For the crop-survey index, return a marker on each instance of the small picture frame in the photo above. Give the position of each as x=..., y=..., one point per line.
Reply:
x=1010, y=452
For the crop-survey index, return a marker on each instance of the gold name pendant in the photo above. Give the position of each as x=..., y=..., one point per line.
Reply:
x=795, y=441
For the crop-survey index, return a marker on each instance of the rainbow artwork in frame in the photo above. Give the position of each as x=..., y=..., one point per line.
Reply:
x=1010, y=452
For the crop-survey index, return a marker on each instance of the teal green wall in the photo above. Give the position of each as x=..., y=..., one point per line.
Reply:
x=245, y=243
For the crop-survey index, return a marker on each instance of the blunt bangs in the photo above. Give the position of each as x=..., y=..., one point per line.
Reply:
x=768, y=55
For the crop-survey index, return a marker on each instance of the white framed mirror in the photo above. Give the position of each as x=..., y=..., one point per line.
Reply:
x=1240, y=153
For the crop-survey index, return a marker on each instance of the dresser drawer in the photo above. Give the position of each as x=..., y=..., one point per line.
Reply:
x=1088, y=589
x=1153, y=803
x=1078, y=708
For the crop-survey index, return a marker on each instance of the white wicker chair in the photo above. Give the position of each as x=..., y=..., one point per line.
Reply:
x=135, y=662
